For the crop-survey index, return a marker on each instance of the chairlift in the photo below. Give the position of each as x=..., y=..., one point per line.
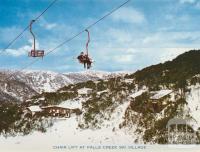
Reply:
x=84, y=57
x=34, y=52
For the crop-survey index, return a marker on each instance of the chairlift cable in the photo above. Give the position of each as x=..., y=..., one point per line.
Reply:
x=88, y=27
x=70, y=39
x=27, y=27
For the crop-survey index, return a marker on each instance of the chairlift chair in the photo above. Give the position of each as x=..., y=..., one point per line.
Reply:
x=84, y=57
x=34, y=52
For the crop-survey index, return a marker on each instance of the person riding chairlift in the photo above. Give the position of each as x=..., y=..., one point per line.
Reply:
x=84, y=59
x=88, y=61
x=81, y=57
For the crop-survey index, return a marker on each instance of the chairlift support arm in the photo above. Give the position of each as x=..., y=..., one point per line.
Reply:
x=87, y=41
x=32, y=21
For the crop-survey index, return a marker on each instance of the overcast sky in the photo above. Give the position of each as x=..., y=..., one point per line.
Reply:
x=142, y=33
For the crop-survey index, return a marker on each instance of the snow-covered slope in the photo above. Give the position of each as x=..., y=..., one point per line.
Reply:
x=129, y=109
x=24, y=84
x=93, y=75
x=67, y=132
x=43, y=81
x=193, y=106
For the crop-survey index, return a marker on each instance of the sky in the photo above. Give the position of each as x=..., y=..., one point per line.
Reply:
x=140, y=34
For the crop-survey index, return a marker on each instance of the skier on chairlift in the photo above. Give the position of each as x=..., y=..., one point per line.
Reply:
x=84, y=57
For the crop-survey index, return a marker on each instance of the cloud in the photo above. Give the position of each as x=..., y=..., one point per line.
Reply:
x=50, y=26
x=120, y=36
x=131, y=50
x=8, y=33
x=22, y=50
x=127, y=58
x=47, y=25
x=128, y=15
x=178, y=19
x=195, y=3
x=198, y=5
x=18, y=52
x=131, y=38
x=171, y=53
x=187, y=1
x=172, y=39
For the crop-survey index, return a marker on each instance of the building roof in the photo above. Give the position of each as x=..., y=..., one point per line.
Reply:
x=136, y=94
x=35, y=108
x=128, y=80
x=100, y=92
x=42, y=98
x=84, y=90
x=160, y=94
x=181, y=121
x=68, y=104
x=71, y=104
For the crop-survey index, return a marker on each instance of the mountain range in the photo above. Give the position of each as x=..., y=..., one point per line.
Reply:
x=25, y=84
x=138, y=105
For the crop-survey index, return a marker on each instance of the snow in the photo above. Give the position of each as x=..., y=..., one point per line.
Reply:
x=100, y=92
x=196, y=76
x=37, y=81
x=193, y=100
x=42, y=98
x=93, y=75
x=35, y=108
x=161, y=93
x=83, y=91
x=71, y=104
x=43, y=81
x=39, y=71
x=66, y=132
x=99, y=74
x=117, y=116
x=128, y=80
x=136, y=94
x=10, y=93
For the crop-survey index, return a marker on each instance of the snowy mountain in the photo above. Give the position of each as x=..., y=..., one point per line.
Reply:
x=93, y=75
x=127, y=109
x=23, y=85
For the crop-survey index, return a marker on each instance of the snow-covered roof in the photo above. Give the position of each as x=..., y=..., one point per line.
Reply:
x=28, y=100
x=136, y=94
x=71, y=104
x=35, y=108
x=100, y=92
x=128, y=80
x=160, y=94
x=97, y=81
x=68, y=104
x=42, y=98
x=84, y=90
x=196, y=76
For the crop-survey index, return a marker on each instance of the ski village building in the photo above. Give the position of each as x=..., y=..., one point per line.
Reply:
x=65, y=109
x=158, y=100
x=57, y=111
x=129, y=81
x=136, y=94
x=33, y=110
x=85, y=91
x=162, y=96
